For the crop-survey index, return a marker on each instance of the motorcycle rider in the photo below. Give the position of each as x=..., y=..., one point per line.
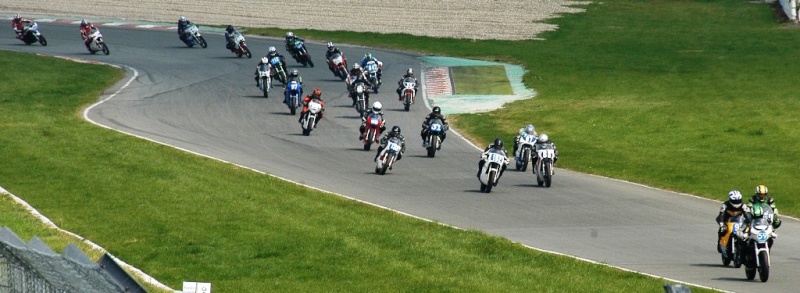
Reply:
x=317, y=94
x=731, y=208
x=385, y=140
x=542, y=140
x=400, y=86
x=377, y=108
x=368, y=57
x=230, y=31
x=762, y=196
x=273, y=52
x=17, y=25
x=752, y=213
x=436, y=113
x=182, y=23
x=86, y=29
x=290, y=39
x=497, y=145
x=293, y=76
x=331, y=51
x=264, y=60
x=528, y=129
x=354, y=76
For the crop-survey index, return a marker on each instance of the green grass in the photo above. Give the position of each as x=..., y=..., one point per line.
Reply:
x=480, y=80
x=691, y=96
x=181, y=217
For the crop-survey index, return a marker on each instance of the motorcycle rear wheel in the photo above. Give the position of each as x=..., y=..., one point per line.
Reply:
x=750, y=273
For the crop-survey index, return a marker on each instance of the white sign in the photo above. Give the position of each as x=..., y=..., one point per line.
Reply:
x=195, y=287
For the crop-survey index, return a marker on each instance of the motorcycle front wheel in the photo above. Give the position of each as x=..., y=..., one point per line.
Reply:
x=202, y=42
x=105, y=49
x=42, y=41
x=763, y=271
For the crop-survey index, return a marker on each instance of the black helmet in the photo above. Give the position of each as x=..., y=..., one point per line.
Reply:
x=396, y=130
x=437, y=110
x=498, y=144
x=229, y=29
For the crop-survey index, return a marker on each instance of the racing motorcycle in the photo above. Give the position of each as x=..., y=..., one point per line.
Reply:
x=388, y=155
x=301, y=54
x=524, y=153
x=193, y=36
x=338, y=65
x=729, y=245
x=372, y=74
x=546, y=154
x=292, y=96
x=310, y=117
x=407, y=94
x=433, y=141
x=361, y=97
x=277, y=69
x=756, y=252
x=372, y=130
x=493, y=164
x=97, y=44
x=31, y=34
x=241, y=47
x=264, y=78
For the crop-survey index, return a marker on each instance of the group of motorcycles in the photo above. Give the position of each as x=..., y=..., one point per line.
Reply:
x=541, y=156
x=749, y=244
x=31, y=34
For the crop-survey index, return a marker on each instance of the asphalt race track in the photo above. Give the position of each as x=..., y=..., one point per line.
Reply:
x=205, y=101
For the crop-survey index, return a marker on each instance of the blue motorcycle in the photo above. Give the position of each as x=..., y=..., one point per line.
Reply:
x=292, y=95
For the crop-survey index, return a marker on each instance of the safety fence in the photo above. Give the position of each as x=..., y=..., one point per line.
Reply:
x=35, y=268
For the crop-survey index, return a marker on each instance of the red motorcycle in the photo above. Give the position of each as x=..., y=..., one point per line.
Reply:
x=241, y=46
x=338, y=64
x=372, y=130
x=408, y=94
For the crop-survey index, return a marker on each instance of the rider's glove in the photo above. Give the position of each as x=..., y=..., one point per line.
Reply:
x=722, y=229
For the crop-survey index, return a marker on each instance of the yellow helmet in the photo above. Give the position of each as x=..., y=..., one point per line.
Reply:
x=762, y=191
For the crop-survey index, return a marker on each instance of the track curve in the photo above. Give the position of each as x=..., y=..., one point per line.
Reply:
x=205, y=101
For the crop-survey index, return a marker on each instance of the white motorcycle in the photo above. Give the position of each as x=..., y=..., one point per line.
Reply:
x=97, y=44
x=372, y=74
x=490, y=172
x=546, y=154
x=758, y=239
x=193, y=36
x=525, y=152
x=264, y=79
x=31, y=34
x=388, y=155
x=311, y=116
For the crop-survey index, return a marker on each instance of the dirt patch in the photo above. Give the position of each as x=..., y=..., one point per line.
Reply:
x=474, y=19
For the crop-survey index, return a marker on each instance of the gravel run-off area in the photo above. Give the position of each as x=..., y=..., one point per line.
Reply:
x=466, y=19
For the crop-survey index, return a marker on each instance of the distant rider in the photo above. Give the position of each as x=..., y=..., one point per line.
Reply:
x=400, y=86
x=377, y=108
x=385, y=141
x=497, y=146
x=182, y=23
x=229, y=33
x=273, y=52
x=290, y=39
x=332, y=50
x=317, y=94
x=368, y=57
x=354, y=76
x=435, y=114
x=293, y=76
x=86, y=30
x=529, y=129
x=731, y=208
x=542, y=141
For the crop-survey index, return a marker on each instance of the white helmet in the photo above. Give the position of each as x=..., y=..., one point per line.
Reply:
x=264, y=60
x=410, y=72
x=376, y=107
x=736, y=198
x=289, y=34
x=272, y=49
x=543, y=138
x=356, y=66
x=182, y=19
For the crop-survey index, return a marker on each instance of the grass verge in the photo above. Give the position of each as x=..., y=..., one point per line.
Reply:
x=181, y=217
x=480, y=80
